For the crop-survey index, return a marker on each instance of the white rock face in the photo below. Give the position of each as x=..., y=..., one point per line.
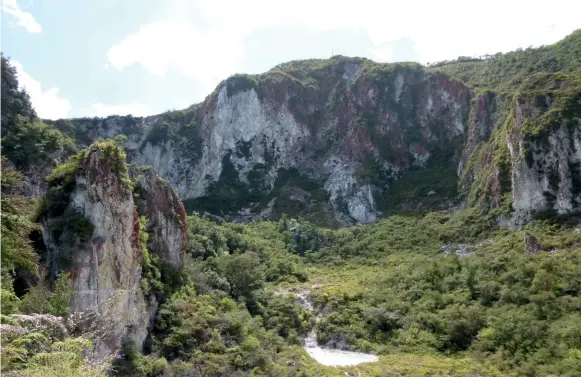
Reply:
x=106, y=270
x=399, y=81
x=351, y=72
x=456, y=110
x=323, y=130
x=243, y=118
x=362, y=206
x=548, y=183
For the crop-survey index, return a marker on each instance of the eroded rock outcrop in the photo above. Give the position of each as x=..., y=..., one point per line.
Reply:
x=166, y=215
x=531, y=166
x=532, y=245
x=340, y=134
x=92, y=230
x=546, y=166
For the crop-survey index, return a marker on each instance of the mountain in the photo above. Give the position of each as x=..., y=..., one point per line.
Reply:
x=344, y=140
x=463, y=178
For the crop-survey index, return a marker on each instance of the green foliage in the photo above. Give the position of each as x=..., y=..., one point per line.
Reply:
x=497, y=303
x=212, y=334
x=384, y=288
x=36, y=299
x=180, y=129
x=15, y=100
x=120, y=139
x=243, y=272
x=114, y=156
x=287, y=317
x=508, y=71
x=430, y=188
x=40, y=299
x=31, y=143
x=138, y=365
x=387, y=288
x=60, y=300
x=227, y=195
x=64, y=359
x=67, y=224
x=240, y=83
x=544, y=80
x=151, y=281
x=36, y=350
x=219, y=244
x=109, y=151
x=10, y=302
x=159, y=134
x=15, y=225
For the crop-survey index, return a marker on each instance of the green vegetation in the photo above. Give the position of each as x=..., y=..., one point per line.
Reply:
x=157, y=278
x=178, y=127
x=240, y=83
x=387, y=289
x=508, y=71
x=30, y=353
x=228, y=194
x=15, y=100
x=437, y=294
x=35, y=143
x=424, y=189
x=108, y=150
x=302, y=70
x=17, y=251
x=26, y=140
x=159, y=133
x=384, y=288
x=40, y=299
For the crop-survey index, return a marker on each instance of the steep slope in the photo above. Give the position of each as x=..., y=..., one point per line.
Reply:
x=522, y=153
x=327, y=143
x=92, y=230
x=344, y=140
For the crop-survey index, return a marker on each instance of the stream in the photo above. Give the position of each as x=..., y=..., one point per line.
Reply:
x=324, y=355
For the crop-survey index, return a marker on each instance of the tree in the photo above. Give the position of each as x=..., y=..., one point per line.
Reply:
x=244, y=273
x=15, y=101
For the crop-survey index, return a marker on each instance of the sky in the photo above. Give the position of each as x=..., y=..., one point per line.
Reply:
x=141, y=57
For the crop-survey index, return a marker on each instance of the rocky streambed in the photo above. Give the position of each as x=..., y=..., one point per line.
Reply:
x=326, y=355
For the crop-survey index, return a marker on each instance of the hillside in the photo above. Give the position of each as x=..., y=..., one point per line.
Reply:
x=371, y=138
x=429, y=216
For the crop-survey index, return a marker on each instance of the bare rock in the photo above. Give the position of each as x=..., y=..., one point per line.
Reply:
x=166, y=216
x=96, y=240
x=532, y=245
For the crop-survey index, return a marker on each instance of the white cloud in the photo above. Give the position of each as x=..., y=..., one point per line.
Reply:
x=382, y=53
x=136, y=109
x=205, y=39
x=441, y=30
x=160, y=45
x=48, y=104
x=24, y=19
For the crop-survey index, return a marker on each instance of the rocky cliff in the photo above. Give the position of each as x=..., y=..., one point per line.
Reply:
x=92, y=230
x=326, y=144
x=166, y=216
x=523, y=151
x=343, y=140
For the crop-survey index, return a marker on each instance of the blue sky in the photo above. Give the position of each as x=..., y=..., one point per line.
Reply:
x=102, y=57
